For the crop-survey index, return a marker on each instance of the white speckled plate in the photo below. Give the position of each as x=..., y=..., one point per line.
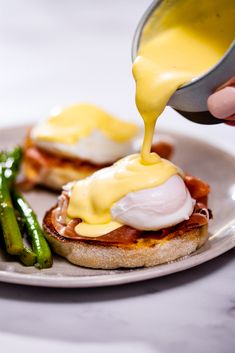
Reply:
x=195, y=157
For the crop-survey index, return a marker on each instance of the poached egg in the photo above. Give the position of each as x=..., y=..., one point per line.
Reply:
x=145, y=197
x=152, y=209
x=87, y=132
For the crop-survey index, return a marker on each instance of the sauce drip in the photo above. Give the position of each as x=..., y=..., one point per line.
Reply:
x=182, y=40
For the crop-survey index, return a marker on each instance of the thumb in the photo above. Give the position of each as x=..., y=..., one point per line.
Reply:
x=221, y=104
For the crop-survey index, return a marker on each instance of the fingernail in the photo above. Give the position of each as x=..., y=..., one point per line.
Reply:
x=221, y=104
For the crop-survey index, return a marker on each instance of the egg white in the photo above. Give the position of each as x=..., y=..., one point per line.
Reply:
x=95, y=148
x=155, y=208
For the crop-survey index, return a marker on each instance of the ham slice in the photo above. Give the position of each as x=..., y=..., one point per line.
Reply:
x=126, y=235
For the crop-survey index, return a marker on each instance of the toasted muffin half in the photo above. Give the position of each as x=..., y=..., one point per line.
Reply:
x=141, y=253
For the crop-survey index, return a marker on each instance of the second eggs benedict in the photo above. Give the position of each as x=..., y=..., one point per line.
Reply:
x=74, y=143
x=77, y=141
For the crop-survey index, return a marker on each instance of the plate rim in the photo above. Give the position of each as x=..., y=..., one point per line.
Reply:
x=53, y=281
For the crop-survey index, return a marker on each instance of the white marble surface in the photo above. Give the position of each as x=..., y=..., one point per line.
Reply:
x=56, y=53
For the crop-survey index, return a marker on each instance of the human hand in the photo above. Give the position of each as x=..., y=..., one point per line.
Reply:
x=221, y=104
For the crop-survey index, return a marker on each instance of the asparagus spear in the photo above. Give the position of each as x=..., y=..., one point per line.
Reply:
x=11, y=161
x=11, y=232
x=34, y=231
x=28, y=257
x=10, y=164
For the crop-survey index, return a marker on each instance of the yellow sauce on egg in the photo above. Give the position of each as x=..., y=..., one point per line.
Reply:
x=177, y=45
x=93, y=197
x=80, y=120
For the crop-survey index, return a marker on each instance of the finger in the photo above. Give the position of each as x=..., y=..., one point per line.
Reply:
x=230, y=122
x=221, y=104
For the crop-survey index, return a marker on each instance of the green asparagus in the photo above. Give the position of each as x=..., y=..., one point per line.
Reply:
x=34, y=231
x=9, y=167
x=28, y=257
x=11, y=232
x=11, y=162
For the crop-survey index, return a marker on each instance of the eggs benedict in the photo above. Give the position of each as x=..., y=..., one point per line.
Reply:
x=129, y=215
x=77, y=141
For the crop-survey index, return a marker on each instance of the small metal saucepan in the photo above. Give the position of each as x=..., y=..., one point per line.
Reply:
x=190, y=100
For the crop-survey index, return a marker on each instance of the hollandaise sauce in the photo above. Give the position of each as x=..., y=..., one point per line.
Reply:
x=182, y=40
x=69, y=125
x=177, y=46
x=93, y=197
